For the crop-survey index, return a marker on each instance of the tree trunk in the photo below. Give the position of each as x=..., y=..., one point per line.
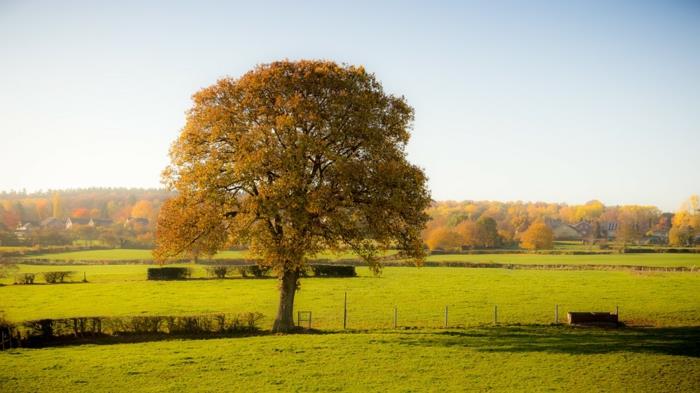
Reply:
x=285, y=313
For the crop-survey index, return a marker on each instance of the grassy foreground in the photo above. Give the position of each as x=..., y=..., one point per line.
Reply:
x=421, y=294
x=512, y=359
x=417, y=358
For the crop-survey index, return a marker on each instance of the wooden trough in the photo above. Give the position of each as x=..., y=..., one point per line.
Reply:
x=606, y=319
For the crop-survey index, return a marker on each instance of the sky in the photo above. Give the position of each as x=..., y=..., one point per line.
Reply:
x=559, y=101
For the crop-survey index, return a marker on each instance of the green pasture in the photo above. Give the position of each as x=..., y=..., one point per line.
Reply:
x=662, y=260
x=504, y=359
x=116, y=254
x=420, y=295
x=134, y=254
x=14, y=248
x=658, y=352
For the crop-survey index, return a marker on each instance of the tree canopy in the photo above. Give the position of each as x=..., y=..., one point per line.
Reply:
x=294, y=158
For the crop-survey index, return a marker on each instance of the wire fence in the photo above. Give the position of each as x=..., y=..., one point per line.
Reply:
x=382, y=314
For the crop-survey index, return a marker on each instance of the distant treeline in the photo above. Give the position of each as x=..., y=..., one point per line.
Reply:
x=126, y=217
x=114, y=217
x=492, y=224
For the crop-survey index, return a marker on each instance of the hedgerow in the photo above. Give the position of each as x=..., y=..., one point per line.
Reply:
x=44, y=331
x=169, y=273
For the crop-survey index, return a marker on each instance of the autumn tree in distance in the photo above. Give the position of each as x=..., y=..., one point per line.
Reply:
x=294, y=158
x=538, y=236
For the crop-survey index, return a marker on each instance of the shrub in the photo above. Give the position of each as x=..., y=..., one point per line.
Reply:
x=5, y=325
x=7, y=330
x=141, y=325
x=43, y=327
x=219, y=271
x=253, y=270
x=631, y=250
x=334, y=270
x=195, y=324
x=7, y=269
x=25, y=278
x=45, y=330
x=169, y=273
x=305, y=272
x=56, y=277
x=251, y=320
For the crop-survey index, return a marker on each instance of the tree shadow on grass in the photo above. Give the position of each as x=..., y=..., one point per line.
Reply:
x=678, y=341
x=134, y=338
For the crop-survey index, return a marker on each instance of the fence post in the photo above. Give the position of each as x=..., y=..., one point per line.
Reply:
x=2, y=339
x=495, y=314
x=345, y=312
x=446, y=314
x=396, y=315
x=556, y=314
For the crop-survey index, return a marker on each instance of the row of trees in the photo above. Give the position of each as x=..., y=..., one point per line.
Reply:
x=686, y=223
x=112, y=206
x=116, y=204
x=490, y=224
x=116, y=236
x=473, y=224
x=483, y=234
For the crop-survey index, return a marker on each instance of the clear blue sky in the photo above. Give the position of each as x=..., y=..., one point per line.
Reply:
x=556, y=101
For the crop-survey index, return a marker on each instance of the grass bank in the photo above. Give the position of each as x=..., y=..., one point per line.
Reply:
x=506, y=359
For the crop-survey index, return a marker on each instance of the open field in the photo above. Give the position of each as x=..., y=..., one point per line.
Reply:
x=665, y=260
x=658, y=353
x=117, y=254
x=135, y=254
x=506, y=359
x=14, y=248
x=421, y=294
x=661, y=260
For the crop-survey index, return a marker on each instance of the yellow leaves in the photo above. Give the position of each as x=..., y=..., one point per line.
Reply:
x=443, y=238
x=468, y=232
x=142, y=209
x=686, y=223
x=537, y=237
x=309, y=155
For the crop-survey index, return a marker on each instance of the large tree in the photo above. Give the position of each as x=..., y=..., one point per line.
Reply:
x=291, y=159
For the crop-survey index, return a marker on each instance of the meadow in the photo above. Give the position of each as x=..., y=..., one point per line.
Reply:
x=657, y=351
x=505, y=359
x=661, y=259
x=420, y=295
x=118, y=254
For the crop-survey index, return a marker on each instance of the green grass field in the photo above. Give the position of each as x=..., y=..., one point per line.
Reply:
x=421, y=294
x=14, y=248
x=117, y=254
x=133, y=254
x=662, y=260
x=511, y=359
x=658, y=352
